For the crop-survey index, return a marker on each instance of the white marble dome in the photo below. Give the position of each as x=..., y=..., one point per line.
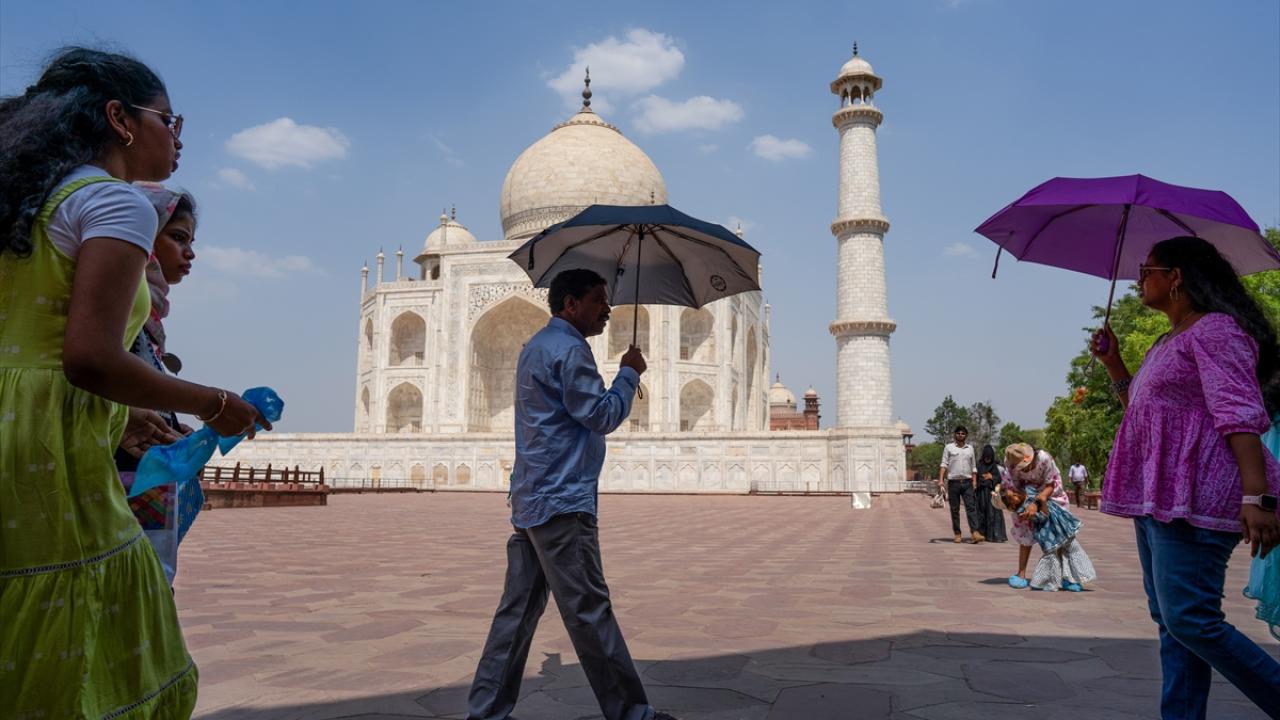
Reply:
x=449, y=233
x=583, y=161
x=856, y=66
x=780, y=395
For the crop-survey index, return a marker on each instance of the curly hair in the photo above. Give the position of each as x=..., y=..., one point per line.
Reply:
x=1213, y=286
x=59, y=124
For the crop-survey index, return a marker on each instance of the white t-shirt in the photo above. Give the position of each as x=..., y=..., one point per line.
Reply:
x=1077, y=473
x=109, y=209
x=959, y=461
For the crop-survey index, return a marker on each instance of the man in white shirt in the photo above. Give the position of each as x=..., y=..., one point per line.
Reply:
x=958, y=475
x=1079, y=481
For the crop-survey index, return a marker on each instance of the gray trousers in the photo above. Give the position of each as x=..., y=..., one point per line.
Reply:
x=563, y=556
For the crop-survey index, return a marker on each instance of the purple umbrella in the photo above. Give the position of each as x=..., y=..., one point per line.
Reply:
x=1107, y=226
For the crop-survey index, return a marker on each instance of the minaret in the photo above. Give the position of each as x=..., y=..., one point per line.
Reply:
x=399, y=264
x=377, y=279
x=364, y=279
x=862, y=326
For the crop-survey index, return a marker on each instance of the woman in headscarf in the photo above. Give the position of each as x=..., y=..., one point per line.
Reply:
x=990, y=518
x=171, y=259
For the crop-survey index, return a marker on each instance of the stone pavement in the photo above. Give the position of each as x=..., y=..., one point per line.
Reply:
x=752, y=608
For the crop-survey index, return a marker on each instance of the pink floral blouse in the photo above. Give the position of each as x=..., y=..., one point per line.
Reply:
x=1171, y=459
x=1033, y=482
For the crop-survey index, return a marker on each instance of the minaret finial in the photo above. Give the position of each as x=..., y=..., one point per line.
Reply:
x=586, y=90
x=855, y=48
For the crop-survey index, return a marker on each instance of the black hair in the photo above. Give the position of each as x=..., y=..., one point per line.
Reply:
x=571, y=283
x=59, y=124
x=1213, y=286
x=959, y=429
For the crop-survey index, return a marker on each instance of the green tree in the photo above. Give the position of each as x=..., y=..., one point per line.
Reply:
x=983, y=425
x=927, y=457
x=1081, y=426
x=1010, y=433
x=945, y=418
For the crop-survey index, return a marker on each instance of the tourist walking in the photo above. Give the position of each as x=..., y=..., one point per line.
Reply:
x=1188, y=465
x=1079, y=478
x=171, y=259
x=990, y=519
x=958, y=476
x=89, y=626
x=563, y=411
x=1033, y=471
x=1064, y=563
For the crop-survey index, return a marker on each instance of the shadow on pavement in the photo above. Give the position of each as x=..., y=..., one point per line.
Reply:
x=915, y=676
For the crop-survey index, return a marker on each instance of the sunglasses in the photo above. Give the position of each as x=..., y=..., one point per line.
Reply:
x=171, y=121
x=1145, y=270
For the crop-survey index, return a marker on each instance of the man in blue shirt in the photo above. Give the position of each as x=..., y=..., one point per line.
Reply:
x=563, y=411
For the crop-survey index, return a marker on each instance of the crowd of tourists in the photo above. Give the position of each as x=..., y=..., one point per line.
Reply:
x=89, y=246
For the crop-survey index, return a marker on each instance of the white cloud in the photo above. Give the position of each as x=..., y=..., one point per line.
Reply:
x=958, y=249
x=283, y=142
x=776, y=149
x=252, y=263
x=658, y=114
x=620, y=68
x=450, y=156
x=708, y=149
x=235, y=178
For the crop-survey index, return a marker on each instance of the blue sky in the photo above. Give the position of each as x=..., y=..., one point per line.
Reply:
x=397, y=109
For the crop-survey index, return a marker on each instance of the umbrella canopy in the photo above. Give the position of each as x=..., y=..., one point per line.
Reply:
x=1107, y=226
x=648, y=254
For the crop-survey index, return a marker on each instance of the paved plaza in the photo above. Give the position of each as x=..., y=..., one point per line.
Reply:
x=735, y=607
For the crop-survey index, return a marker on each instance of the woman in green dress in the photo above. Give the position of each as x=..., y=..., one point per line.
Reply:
x=88, y=626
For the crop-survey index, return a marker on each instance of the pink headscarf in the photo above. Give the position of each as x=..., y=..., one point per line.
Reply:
x=165, y=202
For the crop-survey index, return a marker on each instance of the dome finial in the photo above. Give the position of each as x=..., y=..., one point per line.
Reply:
x=586, y=90
x=453, y=212
x=651, y=197
x=855, y=48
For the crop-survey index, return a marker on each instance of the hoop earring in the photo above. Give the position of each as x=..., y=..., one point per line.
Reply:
x=130, y=142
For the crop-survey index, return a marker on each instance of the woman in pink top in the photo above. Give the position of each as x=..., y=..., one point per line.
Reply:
x=1189, y=467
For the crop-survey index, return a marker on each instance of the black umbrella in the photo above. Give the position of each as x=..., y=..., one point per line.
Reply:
x=681, y=259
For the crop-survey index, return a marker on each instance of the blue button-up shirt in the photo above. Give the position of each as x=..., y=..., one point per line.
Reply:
x=563, y=412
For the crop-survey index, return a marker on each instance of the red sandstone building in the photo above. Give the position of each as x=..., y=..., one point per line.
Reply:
x=783, y=414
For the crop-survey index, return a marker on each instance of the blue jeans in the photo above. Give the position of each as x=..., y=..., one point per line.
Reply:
x=1183, y=571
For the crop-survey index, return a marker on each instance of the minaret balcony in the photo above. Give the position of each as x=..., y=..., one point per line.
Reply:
x=862, y=327
x=860, y=114
x=845, y=225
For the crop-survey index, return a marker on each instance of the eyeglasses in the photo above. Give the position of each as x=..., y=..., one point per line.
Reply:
x=1145, y=270
x=171, y=121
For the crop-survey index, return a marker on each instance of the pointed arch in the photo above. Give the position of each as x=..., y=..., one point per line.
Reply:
x=496, y=341
x=404, y=409
x=622, y=319
x=751, y=372
x=362, y=422
x=696, y=399
x=638, y=420
x=408, y=340
x=697, y=335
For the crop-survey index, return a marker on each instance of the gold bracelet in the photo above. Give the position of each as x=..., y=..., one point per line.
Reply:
x=222, y=395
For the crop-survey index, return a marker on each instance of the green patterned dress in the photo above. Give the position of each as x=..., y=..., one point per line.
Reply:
x=88, y=626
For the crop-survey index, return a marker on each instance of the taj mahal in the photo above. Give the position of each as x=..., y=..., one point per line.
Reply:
x=438, y=340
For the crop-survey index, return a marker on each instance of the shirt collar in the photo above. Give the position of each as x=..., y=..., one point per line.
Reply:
x=566, y=326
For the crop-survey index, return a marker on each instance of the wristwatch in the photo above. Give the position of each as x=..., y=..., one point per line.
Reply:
x=1266, y=502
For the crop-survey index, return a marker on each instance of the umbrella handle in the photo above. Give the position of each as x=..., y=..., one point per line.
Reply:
x=635, y=318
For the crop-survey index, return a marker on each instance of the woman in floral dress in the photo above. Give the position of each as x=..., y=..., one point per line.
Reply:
x=1034, y=472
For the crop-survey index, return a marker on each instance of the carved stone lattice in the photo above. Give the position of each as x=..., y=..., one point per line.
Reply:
x=482, y=297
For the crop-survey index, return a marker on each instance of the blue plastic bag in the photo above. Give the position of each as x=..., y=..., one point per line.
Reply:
x=181, y=461
x=1264, y=574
